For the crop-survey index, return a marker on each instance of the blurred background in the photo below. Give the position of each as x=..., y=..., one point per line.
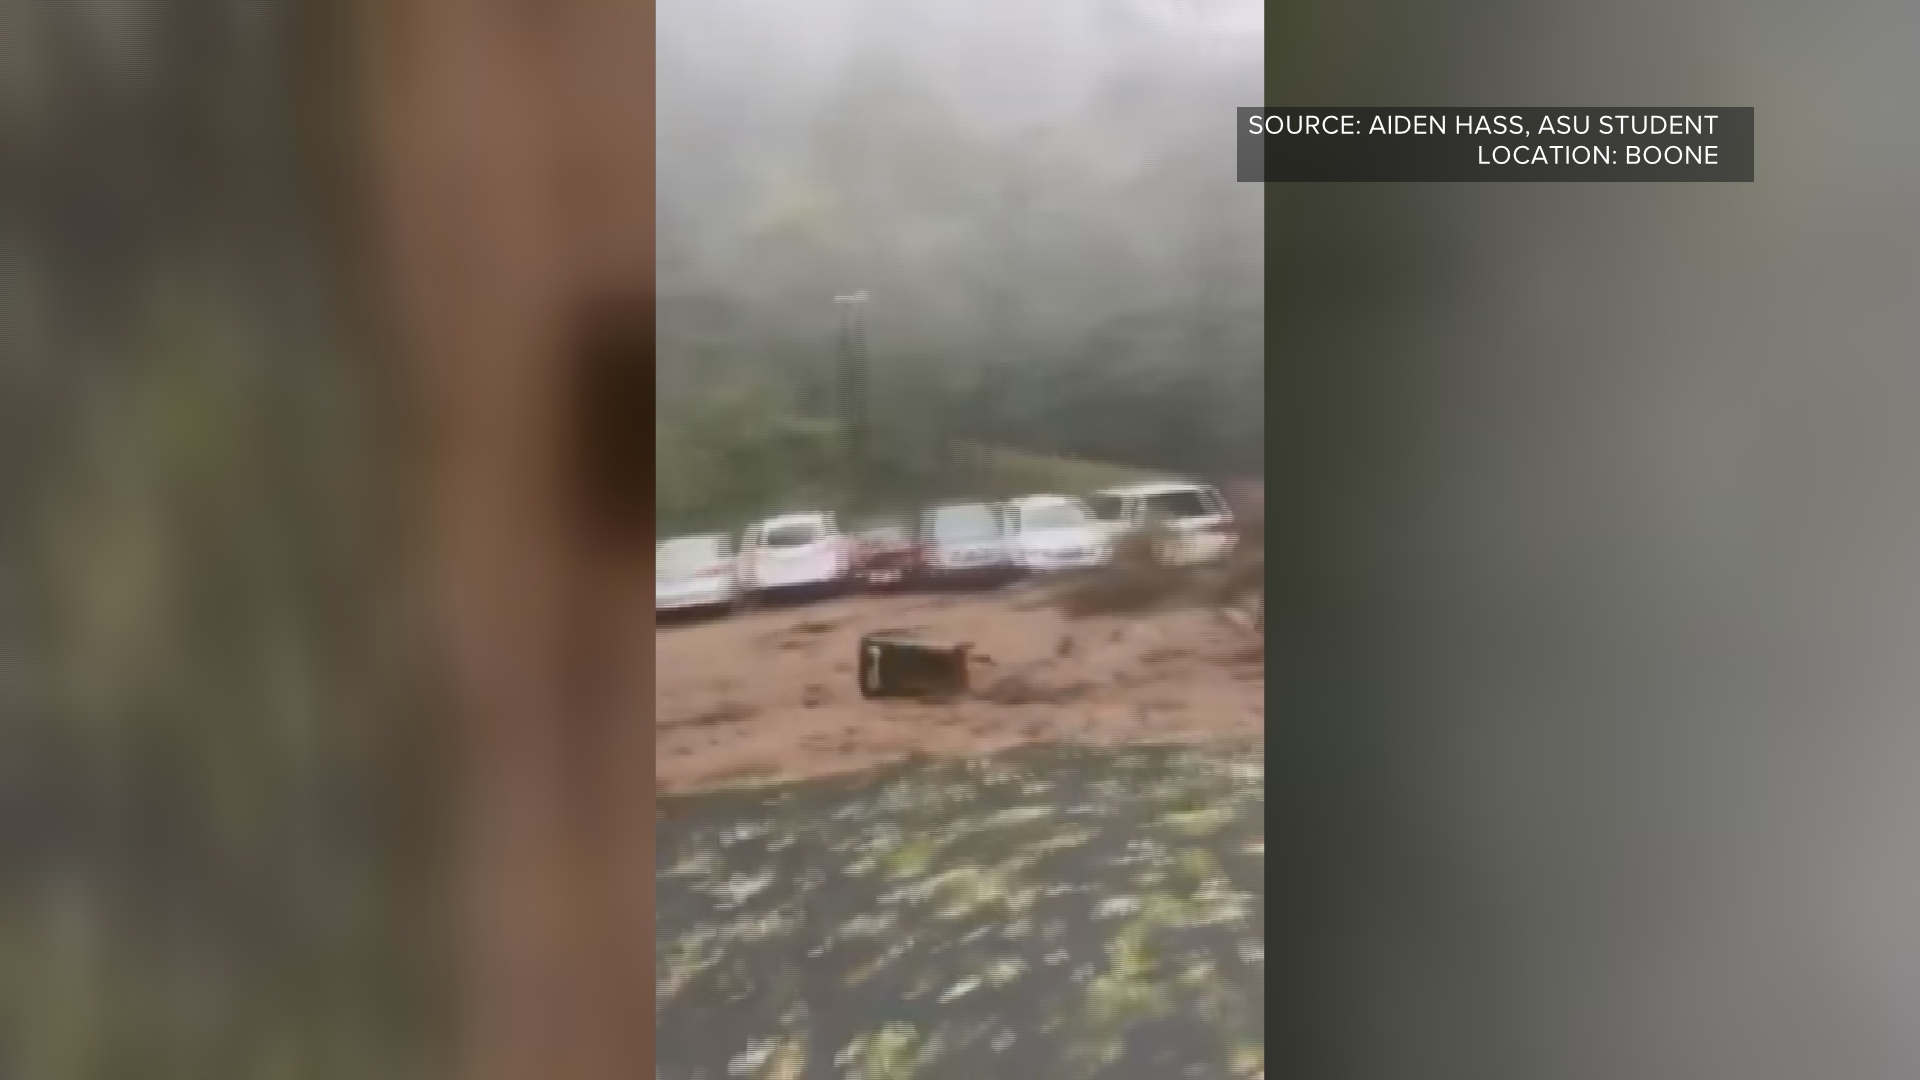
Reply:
x=217, y=787
x=1595, y=751
x=1594, y=513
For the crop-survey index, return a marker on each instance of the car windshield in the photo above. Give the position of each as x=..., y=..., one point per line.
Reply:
x=965, y=523
x=791, y=534
x=884, y=534
x=689, y=554
x=1036, y=517
x=1109, y=507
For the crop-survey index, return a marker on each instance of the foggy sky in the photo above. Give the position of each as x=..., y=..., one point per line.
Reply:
x=755, y=94
x=1010, y=62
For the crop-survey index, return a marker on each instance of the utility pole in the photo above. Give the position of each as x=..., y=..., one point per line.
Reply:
x=854, y=388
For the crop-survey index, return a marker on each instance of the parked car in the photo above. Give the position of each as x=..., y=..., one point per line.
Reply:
x=964, y=542
x=1196, y=516
x=885, y=555
x=1054, y=532
x=794, y=553
x=694, y=572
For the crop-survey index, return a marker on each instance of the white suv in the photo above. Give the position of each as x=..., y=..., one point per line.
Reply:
x=794, y=552
x=1195, y=515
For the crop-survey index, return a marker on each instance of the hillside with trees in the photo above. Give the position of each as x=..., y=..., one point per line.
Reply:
x=1068, y=271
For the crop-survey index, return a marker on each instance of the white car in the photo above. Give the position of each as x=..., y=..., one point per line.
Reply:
x=1054, y=532
x=963, y=541
x=1197, y=516
x=794, y=552
x=694, y=572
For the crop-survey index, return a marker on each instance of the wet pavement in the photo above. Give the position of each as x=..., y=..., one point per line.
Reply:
x=1067, y=914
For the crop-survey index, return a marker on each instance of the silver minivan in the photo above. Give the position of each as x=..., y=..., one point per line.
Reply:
x=964, y=541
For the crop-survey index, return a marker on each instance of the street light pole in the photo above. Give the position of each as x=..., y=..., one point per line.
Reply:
x=854, y=384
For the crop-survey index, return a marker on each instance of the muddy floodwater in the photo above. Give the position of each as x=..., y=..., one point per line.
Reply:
x=774, y=695
x=1047, y=912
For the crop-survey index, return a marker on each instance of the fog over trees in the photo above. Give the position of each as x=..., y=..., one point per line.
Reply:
x=1039, y=198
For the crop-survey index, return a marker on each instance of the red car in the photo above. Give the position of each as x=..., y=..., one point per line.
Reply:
x=886, y=556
